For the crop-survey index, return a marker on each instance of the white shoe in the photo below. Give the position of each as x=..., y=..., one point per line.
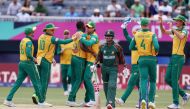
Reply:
x=119, y=101
x=186, y=98
x=173, y=106
x=143, y=104
x=72, y=104
x=45, y=104
x=90, y=103
x=138, y=105
x=9, y=103
x=66, y=93
x=151, y=105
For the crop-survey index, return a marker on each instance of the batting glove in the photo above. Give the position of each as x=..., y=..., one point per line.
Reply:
x=126, y=72
x=93, y=68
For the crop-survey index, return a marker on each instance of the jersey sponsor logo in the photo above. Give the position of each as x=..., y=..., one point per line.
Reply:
x=109, y=57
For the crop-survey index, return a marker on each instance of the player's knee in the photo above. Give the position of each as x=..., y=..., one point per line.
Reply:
x=112, y=85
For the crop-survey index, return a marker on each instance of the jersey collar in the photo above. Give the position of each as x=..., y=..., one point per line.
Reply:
x=29, y=37
x=145, y=30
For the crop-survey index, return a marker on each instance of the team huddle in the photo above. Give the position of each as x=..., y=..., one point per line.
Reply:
x=81, y=53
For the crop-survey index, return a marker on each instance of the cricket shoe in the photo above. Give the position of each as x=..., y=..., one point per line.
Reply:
x=186, y=98
x=90, y=104
x=119, y=101
x=151, y=105
x=143, y=104
x=45, y=104
x=173, y=106
x=34, y=99
x=9, y=103
x=138, y=105
x=72, y=104
x=109, y=106
x=66, y=93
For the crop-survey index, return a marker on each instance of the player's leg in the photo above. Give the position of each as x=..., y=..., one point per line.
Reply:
x=131, y=83
x=88, y=85
x=45, y=69
x=64, y=70
x=177, y=65
x=33, y=73
x=78, y=65
x=105, y=78
x=112, y=85
x=152, y=78
x=143, y=69
x=21, y=76
x=69, y=75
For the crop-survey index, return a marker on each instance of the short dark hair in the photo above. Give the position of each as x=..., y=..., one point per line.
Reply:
x=80, y=25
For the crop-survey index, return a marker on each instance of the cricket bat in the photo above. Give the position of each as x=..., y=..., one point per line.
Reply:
x=96, y=90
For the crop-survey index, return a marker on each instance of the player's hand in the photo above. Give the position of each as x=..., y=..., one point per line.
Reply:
x=126, y=72
x=170, y=25
x=54, y=62
x=35, y=60
x=93, y=68
x=123, y=25
x=160, y=19
x=62, y=50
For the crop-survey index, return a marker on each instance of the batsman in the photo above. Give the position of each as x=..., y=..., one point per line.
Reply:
x=110, y=56
x=146, y=42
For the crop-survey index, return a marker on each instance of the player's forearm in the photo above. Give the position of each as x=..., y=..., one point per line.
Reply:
x=59, y=49
x=126, y=34
x=132, y=45
x=178, y=34
x=87, y=42
x=29, y=53
x=155, y=43
x=60, y=41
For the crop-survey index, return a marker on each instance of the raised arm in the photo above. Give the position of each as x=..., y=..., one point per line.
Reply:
x=162, y=28
x=132, y=45
x=155, y=43
x=127, y=36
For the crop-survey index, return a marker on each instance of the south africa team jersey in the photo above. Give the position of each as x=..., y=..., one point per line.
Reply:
x=23, y=45
x=179, y=44
x=144, y=43
x=46, y=48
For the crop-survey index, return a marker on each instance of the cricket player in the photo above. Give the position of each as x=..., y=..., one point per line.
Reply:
x=91, y=42
x=110, y=56
x=134, y=77
x=77, y=64
x=173, y=71
x=45, y=55
x=65, y=52
x=144, y=41
x=26, y=68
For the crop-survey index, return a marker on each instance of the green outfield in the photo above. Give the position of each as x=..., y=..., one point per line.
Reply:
x=56, y=97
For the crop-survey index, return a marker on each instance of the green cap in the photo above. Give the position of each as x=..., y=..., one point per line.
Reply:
x=181, y=18
x=144, y=21
x=91, y=24
x=50, y=26
x=29, y=30
x=109, y=33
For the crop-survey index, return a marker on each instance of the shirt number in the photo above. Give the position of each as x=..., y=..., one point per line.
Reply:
x=143, y=44
x=42, y=44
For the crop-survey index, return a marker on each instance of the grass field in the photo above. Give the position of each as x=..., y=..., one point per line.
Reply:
x=22, y=99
